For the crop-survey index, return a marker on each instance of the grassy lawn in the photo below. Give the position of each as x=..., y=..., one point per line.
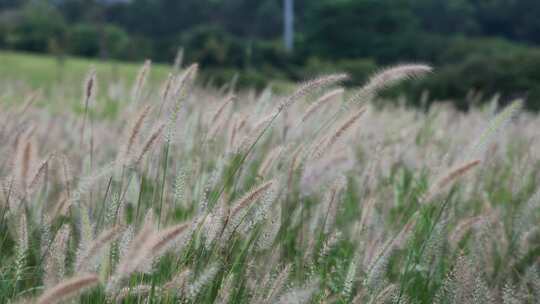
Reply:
x=59, y=83
x=43, y=71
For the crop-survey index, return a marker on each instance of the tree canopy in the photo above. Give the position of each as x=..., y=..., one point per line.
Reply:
x=353, y=35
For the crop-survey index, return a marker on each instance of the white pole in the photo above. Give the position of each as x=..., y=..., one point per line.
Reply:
x=288, y=28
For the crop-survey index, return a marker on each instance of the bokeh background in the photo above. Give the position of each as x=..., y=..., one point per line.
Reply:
x=479, y=47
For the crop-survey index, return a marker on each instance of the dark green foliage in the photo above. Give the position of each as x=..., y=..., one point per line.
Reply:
x=244, y=37
x=366, y=28
x=35, y=27
x=88, y=40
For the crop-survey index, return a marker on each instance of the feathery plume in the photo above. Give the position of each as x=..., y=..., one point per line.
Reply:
x=295, y=164
x=204, y=278
x=178, y=283
x=217, y=122
x=150, y=142
x=165, y=238
x=86, y=183
x=40, y=172
x=387, y=294
x=125, y=240
x=250, y=197
x=314, y=107
x=270, y=231
x=462, y=228
x=86, y=258
x=494, y=127
x=278, y=285
x=240, y=208
x=299, y=295
x=25, y=159
x=350, y=278
x=330, y=203
x=367, y=211
x=261, y=211
x=217, y=114
x=55, y=258
x=134, y=131
x=62, y=207
x=22, y=233
x=141, y=254
x=215, y=222
x=181, y=92
x=449, y=178
x=389, y=77
x=126, y=266
x=184, y=84
x=255, y=133
x=226, y=290
x=68, y=289
x=331, y=140
x=459, y=171
x=166, y=90
x=90, y=92
x=268, y=161
x=138, y=290
x=329, y=244
x=375, y=276
x=86, y=227
x=45, y=230
x=378, y=263
x=309, y=86
x=179, y=59
x=28, y=102
x=179, y=196
x=66, y=174
x=140, y=81
x=90, y=88
x=231, y=137
x=22, y=246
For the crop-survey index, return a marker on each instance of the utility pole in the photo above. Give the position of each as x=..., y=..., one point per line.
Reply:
x=288, y=24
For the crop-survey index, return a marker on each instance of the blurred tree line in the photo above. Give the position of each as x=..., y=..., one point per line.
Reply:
x=484, y=45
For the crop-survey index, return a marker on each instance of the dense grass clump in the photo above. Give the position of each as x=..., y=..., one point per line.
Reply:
x=192, y=195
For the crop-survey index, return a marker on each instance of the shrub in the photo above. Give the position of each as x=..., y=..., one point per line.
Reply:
x=212, y=46
x=91, y=40
x=512, y=74
x=34, y=26
x=84, y=40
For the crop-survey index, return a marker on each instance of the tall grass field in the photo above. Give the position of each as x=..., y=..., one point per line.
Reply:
x=149, y=187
